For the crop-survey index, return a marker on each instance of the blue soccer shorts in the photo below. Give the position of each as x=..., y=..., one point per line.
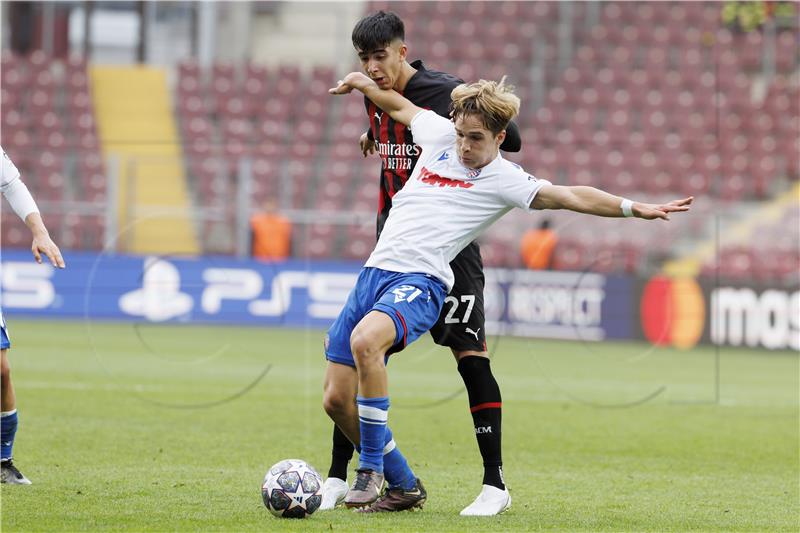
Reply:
x=413, y=301
x=5, y=342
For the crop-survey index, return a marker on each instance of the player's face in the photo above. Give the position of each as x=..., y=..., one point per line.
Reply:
x=476, y=145
x=384, y=65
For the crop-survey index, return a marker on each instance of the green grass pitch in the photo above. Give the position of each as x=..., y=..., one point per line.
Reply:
x=170, y=428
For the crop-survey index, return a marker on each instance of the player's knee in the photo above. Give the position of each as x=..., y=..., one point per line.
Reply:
x=363, y=347
x=335, y=403
x=461, y=354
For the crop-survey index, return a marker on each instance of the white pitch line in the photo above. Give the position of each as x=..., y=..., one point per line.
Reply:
x=60, y=385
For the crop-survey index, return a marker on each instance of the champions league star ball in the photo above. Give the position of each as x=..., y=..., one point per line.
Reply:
x=292, y=489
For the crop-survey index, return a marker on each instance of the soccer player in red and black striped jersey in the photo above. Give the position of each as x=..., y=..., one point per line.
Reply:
x=379, y=41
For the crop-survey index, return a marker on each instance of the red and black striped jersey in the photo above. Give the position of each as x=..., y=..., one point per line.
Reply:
x=394, y=143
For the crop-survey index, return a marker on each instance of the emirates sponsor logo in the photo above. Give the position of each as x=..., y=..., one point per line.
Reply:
x=398, y=150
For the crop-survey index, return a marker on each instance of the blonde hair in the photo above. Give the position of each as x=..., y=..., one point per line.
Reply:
x=494, y=102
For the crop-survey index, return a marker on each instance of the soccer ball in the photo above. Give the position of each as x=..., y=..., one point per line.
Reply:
x=292, y=489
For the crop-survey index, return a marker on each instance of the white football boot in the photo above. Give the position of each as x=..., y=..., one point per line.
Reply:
x=491, y=501
x=333, y=492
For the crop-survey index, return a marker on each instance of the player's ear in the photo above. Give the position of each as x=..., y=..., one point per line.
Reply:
x=403, y=50
x=500, y=138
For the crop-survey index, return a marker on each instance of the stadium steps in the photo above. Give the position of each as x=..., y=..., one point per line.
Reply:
x=742, y=232
x=136, y=126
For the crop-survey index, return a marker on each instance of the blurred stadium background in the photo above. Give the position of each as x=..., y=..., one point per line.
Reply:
x=149, y=133
x=160, y=127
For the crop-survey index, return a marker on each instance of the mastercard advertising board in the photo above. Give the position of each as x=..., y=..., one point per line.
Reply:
x=683, y=312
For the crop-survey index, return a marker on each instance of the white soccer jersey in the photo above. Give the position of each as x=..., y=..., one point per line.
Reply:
x=444, y=206
x=14, y=189
x=10, y=172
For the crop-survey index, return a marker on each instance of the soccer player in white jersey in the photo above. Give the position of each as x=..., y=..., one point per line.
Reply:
x=23, y=205
x=459, y=187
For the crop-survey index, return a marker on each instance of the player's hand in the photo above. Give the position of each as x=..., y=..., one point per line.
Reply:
x=653, y=211
x=44, y=245
x=354, y=80
x=367, y=145
x=341, y=88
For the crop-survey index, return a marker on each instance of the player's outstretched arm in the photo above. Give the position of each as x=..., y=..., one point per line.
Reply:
x=593, y=201
x=25, y=207
x=42, y=243
x=399, y=108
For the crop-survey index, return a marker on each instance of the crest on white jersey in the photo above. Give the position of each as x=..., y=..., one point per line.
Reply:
x=473, y=173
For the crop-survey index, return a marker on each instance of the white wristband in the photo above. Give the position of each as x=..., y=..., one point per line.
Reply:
x=627, y=207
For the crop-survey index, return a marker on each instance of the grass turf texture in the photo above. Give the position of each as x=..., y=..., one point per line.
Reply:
x=115, y=435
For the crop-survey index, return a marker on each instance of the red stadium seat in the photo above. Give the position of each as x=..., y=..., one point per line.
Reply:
x=75, y=63
x=49, y=122
x=82, y=122
x=314, y=108
x=358, y=248
x=14, y=78
x=239, y=129
x=197, y=126
x=254, y=90
x=79, y=102
x=568, y=256
x=189, y=68
x=188, y=86
x=272, y=130
x=44, y=80
x=94, y=187
x=223, y=70
x=39, y=61
x=786, y=51
x=13, y=233
x=14, y=120
x=41, y=101
x=303, y=150
x=255, y=71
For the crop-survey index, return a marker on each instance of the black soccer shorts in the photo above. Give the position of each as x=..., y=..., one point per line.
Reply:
x=461, y=324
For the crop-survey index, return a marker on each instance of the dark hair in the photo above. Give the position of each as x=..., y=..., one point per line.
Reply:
x=377, y=30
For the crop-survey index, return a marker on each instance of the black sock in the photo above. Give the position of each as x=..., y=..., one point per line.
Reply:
x=341, y=454
x=485, y=405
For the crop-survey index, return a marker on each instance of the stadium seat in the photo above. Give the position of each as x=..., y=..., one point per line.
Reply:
x=13, y=232
x=79, y=102
x=786, y=51
x=14, y=120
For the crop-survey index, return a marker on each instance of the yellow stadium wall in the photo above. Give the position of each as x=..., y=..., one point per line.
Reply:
x=137, y=128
